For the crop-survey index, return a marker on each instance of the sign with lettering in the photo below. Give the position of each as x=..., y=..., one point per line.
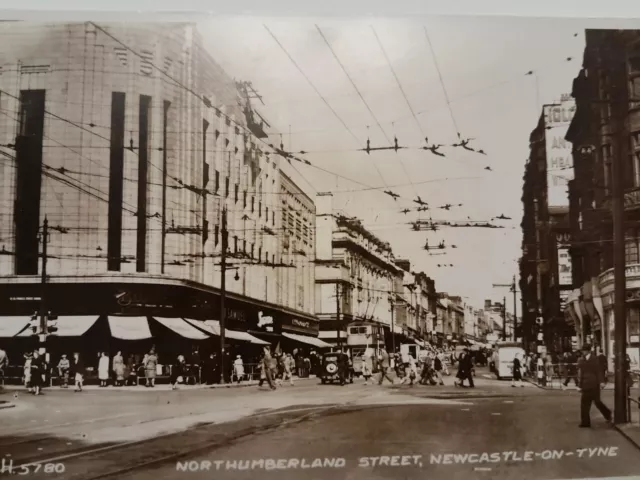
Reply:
x=564, y=267
x=265, y=322
x=300, y=325
x=559, y=158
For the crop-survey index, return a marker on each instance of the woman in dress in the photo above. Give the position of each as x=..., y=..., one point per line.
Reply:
x=150, y=364
x=103, y=369
x=37, y=372
x=517, y=372
x=178, y=371
x=28, y=358
x=118, y=369
x=238, y=367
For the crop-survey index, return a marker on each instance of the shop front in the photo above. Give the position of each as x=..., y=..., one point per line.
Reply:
x=136, y=312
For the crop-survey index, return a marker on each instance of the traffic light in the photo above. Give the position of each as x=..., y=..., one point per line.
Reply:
x=52, y=325
x=539, y=321
x=34, y=324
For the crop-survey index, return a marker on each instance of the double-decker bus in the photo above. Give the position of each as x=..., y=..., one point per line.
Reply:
x=362, y=336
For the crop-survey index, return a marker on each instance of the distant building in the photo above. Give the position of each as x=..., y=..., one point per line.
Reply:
x=355, y=274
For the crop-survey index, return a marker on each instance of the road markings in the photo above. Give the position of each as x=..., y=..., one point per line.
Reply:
x=496, y=414
x=508, y=401
x=465, y=409
x=482, y=469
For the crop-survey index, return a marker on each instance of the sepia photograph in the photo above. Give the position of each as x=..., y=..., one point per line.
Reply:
x=357, y=247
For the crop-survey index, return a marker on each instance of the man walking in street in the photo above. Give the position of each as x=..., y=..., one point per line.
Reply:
x=4, y=362
x=383, y=365
x=591, y=381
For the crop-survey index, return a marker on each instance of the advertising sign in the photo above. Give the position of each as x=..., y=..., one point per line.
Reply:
x=564, y=267
x=559, y=159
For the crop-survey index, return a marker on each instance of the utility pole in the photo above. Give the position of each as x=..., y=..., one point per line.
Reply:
x=43, y=289
x=619, y=113
x=339, y=340
x=512, y=288
x=504, y=318
x=515, y=310
x=223, y=292
x=393, y=333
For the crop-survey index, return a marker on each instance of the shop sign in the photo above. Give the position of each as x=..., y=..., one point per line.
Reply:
x=264, y=322
x=559, y=151
x=300, y=325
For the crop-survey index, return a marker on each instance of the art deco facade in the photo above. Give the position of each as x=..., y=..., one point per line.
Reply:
x=132, y=142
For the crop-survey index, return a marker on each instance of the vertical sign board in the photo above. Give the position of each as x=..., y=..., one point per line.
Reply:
x=559, y=161
x=563, y=241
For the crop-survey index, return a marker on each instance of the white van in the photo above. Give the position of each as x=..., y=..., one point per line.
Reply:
x=503, y=357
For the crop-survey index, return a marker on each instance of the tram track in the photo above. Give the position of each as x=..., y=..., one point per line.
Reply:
x=176, y=445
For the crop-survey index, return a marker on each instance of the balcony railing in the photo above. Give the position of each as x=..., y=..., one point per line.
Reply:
x=630, y=271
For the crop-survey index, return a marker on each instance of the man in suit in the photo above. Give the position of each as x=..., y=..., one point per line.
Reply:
x=591, y=381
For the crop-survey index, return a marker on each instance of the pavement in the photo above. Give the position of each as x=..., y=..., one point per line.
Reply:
x=105, y=433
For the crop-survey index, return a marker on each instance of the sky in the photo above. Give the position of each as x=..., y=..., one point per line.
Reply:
x=481, y=62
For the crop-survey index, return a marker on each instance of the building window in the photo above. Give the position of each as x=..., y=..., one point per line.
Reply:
x=235, y=244
x=216, y=234
x=237, y=191
x=217, y=181
x=635, y=159
x=266, y=213
x=273, y=218
x=116, y=188
x=144, y=130
x=244, y=199
x=260, y=209
x=226, y=187
x=259, y=254
x=253, y=251
x=29, y=181
x=266, y=257
x=273, y=259
x=244, y=246
x=631, y=247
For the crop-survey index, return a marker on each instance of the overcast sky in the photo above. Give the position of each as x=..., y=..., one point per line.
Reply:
x=483, y=62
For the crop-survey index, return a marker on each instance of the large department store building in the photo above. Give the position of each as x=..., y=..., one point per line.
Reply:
x=131, y=141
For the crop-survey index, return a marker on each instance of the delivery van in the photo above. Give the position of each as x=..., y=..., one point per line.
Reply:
x=503, y=357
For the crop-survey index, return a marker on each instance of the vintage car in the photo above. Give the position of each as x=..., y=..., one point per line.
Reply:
x=336, y=368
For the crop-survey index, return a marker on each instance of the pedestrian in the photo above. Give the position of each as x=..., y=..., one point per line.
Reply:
x=238, y=368
x=28, y=358
x=118, y=369
x=517, y=372
x=77, y=370
x=63, y=371
x=571, y=370
x=383, y=365
x=367, y=365
x=103, y=369
x=465, y=367
x=37, y=373
x=411, y=371
x=178, y=371
x=150, y=363
x=591, y=381
x=4, y=362
x=289, y=367
x=437, y=368
x=265, y=368
x=130, y=372
x=602, y=360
